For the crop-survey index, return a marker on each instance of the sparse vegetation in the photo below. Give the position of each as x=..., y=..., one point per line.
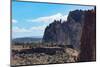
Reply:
x=37, y=53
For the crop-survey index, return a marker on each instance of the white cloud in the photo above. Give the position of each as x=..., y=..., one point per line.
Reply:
x=14, y=21
x=49, y=19
x=41, y=28
x=17, y=29
x=29, y=30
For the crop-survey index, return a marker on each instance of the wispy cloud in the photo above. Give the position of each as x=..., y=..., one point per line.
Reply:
x=29, y=30
x=49, y=19
x=14, y=21
x=41, y=28
x=20, y=30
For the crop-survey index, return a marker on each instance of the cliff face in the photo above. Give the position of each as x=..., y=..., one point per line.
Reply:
x=88, y=39
x=78, y=30
x=73, y=27
x=66, y=32
x=54, y=33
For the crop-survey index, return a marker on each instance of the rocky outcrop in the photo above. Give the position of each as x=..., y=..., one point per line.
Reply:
x=54, y=33
x=88, y=39
x=66, y=32
x=73, y=27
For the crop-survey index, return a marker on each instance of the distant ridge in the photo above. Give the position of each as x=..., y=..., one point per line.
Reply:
x=26, y=40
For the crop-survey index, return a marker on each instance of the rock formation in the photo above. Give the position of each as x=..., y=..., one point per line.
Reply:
x=88, y=39
x=54, y=33
x=65, y=32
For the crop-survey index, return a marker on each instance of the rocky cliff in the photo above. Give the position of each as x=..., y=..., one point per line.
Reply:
x=73, y=27
x=66, y=32
x=88, y=39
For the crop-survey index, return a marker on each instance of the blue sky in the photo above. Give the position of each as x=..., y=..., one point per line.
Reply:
x=30, y=19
